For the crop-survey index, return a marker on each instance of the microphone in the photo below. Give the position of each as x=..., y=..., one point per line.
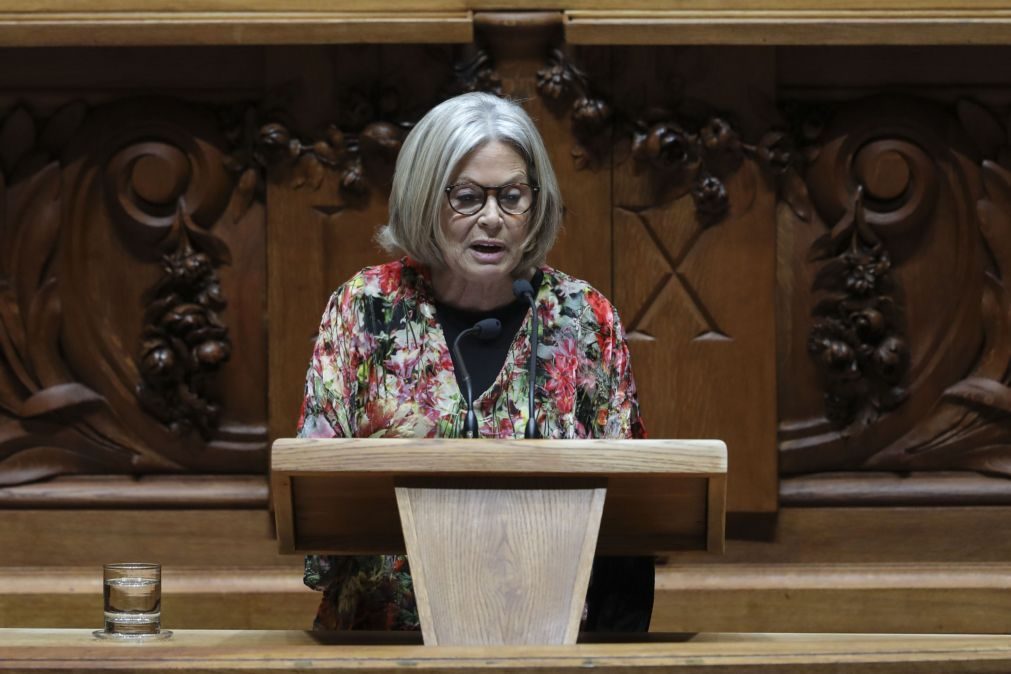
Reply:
x=523, y=290
x=485, y=330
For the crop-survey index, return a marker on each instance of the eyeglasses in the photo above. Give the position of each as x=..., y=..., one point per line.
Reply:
x=469, y=198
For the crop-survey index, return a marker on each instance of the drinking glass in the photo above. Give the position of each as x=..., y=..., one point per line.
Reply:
x=132, y=594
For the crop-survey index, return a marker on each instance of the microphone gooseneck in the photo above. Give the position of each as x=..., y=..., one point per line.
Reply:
x=485, y=329
x=523, y=290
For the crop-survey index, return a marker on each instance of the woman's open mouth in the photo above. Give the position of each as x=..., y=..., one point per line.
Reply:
x=488, y=251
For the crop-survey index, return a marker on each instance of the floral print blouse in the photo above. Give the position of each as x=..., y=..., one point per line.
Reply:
x=381, y=367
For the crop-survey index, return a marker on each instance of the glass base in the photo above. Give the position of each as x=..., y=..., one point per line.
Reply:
x=119, y=636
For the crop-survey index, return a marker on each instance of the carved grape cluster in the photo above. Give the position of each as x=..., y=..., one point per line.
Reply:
x=700, y=158
x=855, y=339
x=183, y=341
x=561, y=81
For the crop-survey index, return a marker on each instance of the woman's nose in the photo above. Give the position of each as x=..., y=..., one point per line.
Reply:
x=491, y=213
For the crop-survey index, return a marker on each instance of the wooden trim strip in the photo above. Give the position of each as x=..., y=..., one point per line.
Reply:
x=789, y=577
x=487, y=456
x=140, y=28
x=96, y=492
x=892, y=489
x=790, y=27
x=270, y=651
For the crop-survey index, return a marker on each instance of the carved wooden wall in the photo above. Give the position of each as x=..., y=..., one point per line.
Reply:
x=131, y=294
x=814, y=274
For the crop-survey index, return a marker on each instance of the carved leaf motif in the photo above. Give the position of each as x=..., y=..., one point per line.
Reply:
x=795, y=194
x=309, y=172
x=12, y=336
x=44, y=336
x=38, y=463
x=30, y=164
x=986, y=393
x=60, y=398
x=62, y=126
x=245, y=192
x=995, y=460
x=997, y=346
x=831, y=275
x=17, y=137
x=981, y=126
x=37, y=227
x=207, y=242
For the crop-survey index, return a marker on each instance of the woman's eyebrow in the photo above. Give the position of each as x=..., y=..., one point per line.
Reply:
x=519, y=175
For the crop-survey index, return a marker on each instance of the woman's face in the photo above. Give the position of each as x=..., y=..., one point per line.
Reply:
x=488, y=245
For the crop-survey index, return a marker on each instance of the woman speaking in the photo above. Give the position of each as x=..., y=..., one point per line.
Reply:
x=475, y=207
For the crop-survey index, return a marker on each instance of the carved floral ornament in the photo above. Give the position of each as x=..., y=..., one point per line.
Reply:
x=361, y=146
x=700, y=157
x=75, y=396
x=881, y=175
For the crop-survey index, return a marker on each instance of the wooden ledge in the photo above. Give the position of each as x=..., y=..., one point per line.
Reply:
x=874, y=489
x=190, y=492
x=872, y=597
x=796, y=26
x=150, y=28
x=272, y=651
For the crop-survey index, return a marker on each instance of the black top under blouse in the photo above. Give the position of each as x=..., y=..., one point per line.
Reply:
x=620, y=596
x=484, y=358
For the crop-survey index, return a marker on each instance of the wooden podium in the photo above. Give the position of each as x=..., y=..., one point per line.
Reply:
x=500, y=534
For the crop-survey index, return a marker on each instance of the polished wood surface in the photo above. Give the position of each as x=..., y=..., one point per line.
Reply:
x=150, y=492
x=258, y=651
x=808, y=25
x=907, y=597
x=198, y=22
x=460, y=456
x=277, y=27
x=499, y=566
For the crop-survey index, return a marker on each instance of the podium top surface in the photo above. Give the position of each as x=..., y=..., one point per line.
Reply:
x=458, y=456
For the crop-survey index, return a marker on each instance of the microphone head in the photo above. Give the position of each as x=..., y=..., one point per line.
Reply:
x=487, y=328
x=522, y=288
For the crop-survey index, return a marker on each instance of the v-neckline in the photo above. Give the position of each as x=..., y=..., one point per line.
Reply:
x=511, y=353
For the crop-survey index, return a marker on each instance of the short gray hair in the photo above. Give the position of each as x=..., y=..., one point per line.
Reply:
x=431, y=153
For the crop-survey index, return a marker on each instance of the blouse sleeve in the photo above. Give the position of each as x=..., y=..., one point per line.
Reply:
x=330, y=382
x=619, y=402
x=327, y=409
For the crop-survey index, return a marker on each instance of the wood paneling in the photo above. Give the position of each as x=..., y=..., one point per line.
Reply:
x=770, y=25
x=148, y=492
x=900, y=598
x=241, y=597
x=282, y=26
x=75, y=538
x=698, y=297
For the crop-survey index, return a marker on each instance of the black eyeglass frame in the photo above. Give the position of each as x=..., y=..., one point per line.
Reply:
x=533, y=188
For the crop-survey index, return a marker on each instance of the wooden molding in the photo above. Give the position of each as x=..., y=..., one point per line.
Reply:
x=791, y=26
x=263, y=651
x=893, y=489
x=162, y=28
x=137, y=493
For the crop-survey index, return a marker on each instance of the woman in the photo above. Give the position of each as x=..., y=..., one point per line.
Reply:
x=475, y=206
